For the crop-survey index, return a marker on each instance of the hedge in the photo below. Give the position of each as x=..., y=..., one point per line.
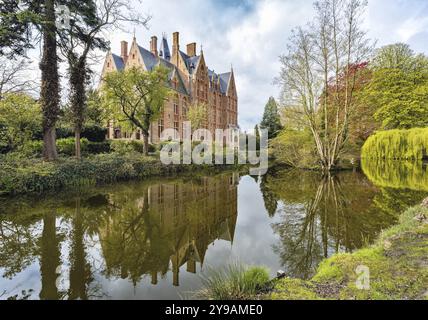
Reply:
x=21, y=175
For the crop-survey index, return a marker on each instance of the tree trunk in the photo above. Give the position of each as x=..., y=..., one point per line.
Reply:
x=49, y=94
x=78, y=73
x=77, y=143
x=146, y=143
x=49, y=144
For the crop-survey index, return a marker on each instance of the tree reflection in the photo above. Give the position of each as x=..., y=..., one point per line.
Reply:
x=49, y=258
x=80, y=271
x=322, y=215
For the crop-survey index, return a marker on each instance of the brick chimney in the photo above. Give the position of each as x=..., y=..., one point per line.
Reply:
x=191, y=49
x=154, y=46
x=176, y=41
x=175, y=47
x=124, y=50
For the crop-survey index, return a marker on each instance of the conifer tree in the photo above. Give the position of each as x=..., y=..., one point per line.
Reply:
x=271, y=119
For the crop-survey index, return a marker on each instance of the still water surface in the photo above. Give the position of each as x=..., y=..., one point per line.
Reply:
x=156, y=239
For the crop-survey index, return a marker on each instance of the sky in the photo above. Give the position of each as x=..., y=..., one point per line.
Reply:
x=252, y=34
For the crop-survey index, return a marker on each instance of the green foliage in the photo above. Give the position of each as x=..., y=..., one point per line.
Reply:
x=129, y=146
x=271, y=119
x=295, y=148
x=198, y=115
x=67, y=146
x=20, y=118
x=19, y=175
x=398, y=89
x=397, y=144
x=99, y=147
x=135, y=97
x=94, y=133
x=235, y=282
x=96, y=114
x=411, y=175
x=33, y=149
x=4, y=142
x=64, y=133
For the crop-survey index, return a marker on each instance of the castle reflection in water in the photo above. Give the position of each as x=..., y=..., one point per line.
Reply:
x=168, y=225
x=70, y=246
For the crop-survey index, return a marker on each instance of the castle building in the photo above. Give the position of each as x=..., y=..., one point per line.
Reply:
x=191, y=81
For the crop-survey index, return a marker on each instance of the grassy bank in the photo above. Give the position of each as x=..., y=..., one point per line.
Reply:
x=398, y=265
x=22, y=175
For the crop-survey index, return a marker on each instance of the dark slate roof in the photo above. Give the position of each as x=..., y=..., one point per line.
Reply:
x=191, y=62
x=223, y=78
x=149, y=58
x=151, y=62
x=224, y=81
x=118, y=61
x=164, y=49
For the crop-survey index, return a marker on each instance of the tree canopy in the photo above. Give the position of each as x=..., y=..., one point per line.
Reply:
x=136, y=97
x=398, y=89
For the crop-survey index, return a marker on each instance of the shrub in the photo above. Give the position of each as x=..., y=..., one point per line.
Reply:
x=94, y=133
x=32, y=149
x=295, y=148
x=397, y=145
x=67, y=146
x=99, y=147
x=129, y=146
x=62, y=133
x=235, y=282
x=4, y=142
x=19, y=174
x=20, y=116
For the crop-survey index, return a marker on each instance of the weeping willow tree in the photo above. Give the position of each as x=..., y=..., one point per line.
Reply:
x=411, y=175
x=397, y=145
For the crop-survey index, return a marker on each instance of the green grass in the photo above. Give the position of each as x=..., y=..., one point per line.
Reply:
x=234, y=282
x=397, y=263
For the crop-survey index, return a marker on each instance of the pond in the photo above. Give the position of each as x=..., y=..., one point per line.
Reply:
x=157, y=239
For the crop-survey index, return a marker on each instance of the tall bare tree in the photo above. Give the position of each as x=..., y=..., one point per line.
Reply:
x=318, y=74
x=14, y=77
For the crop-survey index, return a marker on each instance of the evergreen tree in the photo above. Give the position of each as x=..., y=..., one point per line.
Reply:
x=22, y=23
x=271, y=119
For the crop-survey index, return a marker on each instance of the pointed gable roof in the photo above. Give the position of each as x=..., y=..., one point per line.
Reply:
x=118, y=61
x=224, y=81
x=164, y=51
x=149, y=58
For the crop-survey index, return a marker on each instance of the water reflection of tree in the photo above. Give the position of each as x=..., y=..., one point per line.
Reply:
x=37, y=231
x=321, y=215
x=49, y=258
x=18, y=244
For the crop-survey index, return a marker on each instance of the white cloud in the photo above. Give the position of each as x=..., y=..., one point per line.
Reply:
x=251, y=34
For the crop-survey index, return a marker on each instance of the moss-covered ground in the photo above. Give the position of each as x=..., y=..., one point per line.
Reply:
x=397, y=265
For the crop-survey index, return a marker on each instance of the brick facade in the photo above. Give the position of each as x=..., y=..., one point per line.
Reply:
x=191, y=81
